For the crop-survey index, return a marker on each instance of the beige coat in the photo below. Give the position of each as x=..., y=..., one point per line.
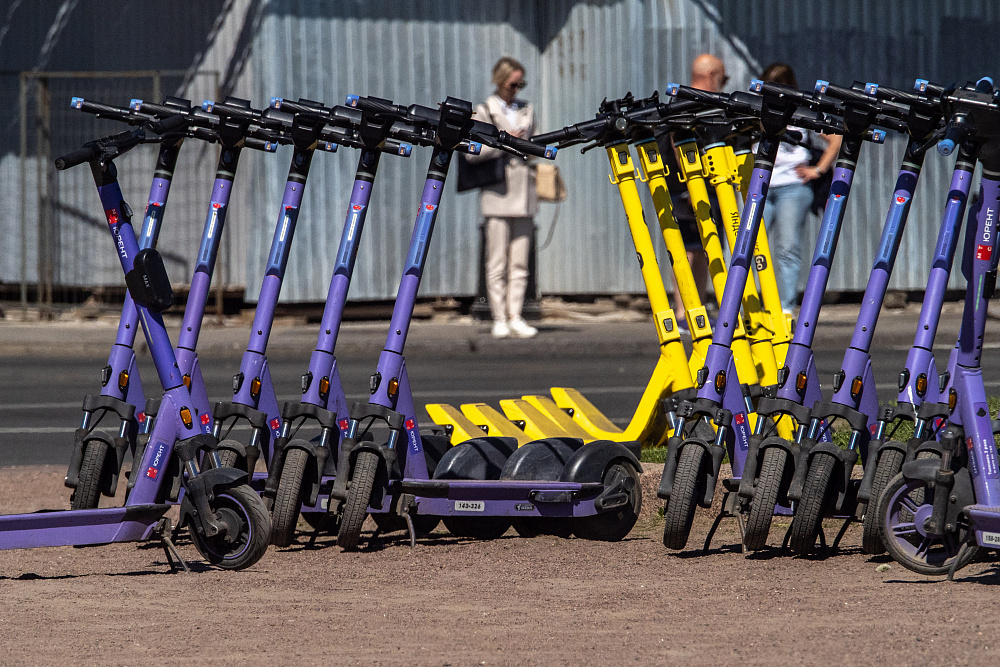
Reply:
x=516, y=197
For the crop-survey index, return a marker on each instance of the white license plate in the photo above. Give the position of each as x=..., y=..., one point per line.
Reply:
x=470, y=506
x=991, y=538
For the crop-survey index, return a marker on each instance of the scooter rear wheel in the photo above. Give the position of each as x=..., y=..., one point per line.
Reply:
x=613, y=526
x=809, y=511
x=679, y=513
x=902, y=509
x=248, y=529
x=87, y=494
x=359, y=494
x=288, y=498
x=772, y=470
x=888, y=466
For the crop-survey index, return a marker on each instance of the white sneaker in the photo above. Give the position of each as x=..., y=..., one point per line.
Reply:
x=500, y=330
x=521, y=329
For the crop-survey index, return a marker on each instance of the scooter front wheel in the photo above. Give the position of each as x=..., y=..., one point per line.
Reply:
x=772, y=471
x=359, y=494
x=288, y=498
x=809, y=511
x=248, y=528
x=688, y=480
x=888, y=466
x=87, y=494
x=903, y=510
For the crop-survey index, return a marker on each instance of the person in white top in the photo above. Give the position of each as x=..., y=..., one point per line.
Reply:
x=509, y=208
x=790, y=195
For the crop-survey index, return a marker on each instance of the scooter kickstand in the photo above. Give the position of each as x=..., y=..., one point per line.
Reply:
x=164, y=529
x=840, y=534
x=411, y=529
x=958, y=559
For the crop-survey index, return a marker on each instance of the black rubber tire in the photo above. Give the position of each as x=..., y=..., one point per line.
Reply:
x=765, y=498
x=683, y=499
x=87, y=495
x=242, y=509
x=478, y=527
x=809, y=510
x=613, y=526
x=900, y=496
x=888, y=466
x=288, y=498
x=359, y=494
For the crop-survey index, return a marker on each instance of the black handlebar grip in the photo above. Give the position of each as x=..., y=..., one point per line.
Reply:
x=528, y=147
x=377, y=106
x=567, y=133
x=102, y=110
x=79, y=156
x=171, y=124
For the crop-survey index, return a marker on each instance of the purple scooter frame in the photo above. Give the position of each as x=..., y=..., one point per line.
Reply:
x=234, y=539
x=935, y=513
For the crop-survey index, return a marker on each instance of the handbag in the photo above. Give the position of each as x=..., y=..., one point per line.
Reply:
x=484, y=174
x=476, y=175
x=549, y=184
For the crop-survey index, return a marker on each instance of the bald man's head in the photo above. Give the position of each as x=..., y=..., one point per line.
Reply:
x=708, y=73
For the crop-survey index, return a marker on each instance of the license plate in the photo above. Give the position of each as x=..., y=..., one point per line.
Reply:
x=992, y=539
x=473, y=506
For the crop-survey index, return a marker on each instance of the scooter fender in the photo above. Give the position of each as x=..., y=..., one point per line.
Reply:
x=925, y=470
x=875, y=450
x=199, y=491
x=588, y=463
x=915, y=447
x=669, y=468
x=247, y=453
x=748, y=483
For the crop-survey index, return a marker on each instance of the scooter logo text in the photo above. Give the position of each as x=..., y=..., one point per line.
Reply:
x=984, y=251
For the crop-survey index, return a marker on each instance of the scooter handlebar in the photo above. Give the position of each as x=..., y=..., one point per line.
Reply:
x=78, y=156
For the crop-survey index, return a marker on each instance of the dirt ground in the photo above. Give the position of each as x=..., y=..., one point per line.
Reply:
x=509, y=601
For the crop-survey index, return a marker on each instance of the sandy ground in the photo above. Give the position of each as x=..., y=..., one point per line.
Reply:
x=509, y=601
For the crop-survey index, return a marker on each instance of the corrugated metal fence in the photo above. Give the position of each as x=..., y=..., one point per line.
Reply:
x=576, y=53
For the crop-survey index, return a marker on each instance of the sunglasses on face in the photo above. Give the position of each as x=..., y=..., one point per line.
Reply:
x=518, y=86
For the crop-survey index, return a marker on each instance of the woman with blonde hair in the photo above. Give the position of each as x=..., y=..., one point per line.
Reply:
x=509, y=207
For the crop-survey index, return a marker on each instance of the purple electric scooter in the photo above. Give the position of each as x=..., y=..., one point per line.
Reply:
x=935, y=513
x=227, y=520
x=692, y=463
x=301, y=471
x=93, y=470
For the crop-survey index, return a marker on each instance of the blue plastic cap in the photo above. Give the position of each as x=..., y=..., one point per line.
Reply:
x=871, y=88
x=475, y=147
x=207, y=105
x=756, y=85
x=550, y=152
x=271, y=146
x=276, y=102
x=405, y=150
x=672, y=88
x=878, y=136
x=352, y=100
x=76, y=102
x=821, y=86
x=987, y=79
x=135, y=104
x=920, y=85
x=946, y=147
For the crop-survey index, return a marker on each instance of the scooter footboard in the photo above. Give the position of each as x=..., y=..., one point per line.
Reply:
x=80, y=527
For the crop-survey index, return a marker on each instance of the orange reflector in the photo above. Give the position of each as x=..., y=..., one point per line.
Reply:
x=952, y=400
x=122, y=381
x=921, y=384
x=857, y=384
x=800, y=382
x=324, y=386
x=255, y=387
x=393, y=387
x=187, y=381
x=186, y=417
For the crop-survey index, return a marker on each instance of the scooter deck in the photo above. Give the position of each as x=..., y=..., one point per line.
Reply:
x=535, y=423
x=515, y=498
x=497, y=425
x=460, y=428
x=79, y=527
